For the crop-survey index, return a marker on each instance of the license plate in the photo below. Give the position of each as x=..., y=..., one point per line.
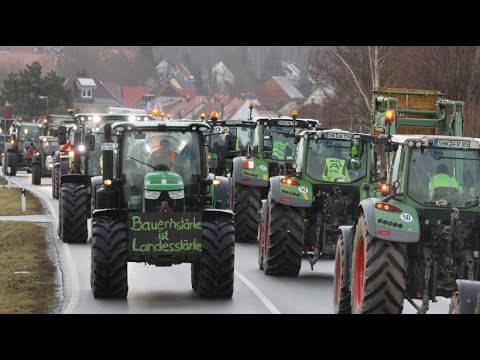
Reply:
x=108, y=146
x=452, y=144
x=338, y=136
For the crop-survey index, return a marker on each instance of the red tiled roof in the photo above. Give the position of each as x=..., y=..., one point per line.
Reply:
x=133, y=94
x=220, y=98
x=187, y=93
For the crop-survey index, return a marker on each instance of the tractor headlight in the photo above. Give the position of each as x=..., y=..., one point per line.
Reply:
x=152, y=195
x=50, y=165
x=175, y=195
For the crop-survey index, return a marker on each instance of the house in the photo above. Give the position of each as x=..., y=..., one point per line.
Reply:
x=291, y=71
x=222, y=78
x=278, y=91
x=316, y=97
x=89, y=95
x=115, y=90
x=136, y=96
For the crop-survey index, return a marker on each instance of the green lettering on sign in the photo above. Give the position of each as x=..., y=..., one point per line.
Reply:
x=165, y=233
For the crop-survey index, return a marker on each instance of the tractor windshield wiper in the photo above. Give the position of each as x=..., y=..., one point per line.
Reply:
x=141, y=162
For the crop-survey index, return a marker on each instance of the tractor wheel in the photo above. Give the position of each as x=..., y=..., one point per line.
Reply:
x=74, y=206
x=108, y=271
x=36, y=174
x=247, y=201
x=54, y=171
x=284, y=230
x=261, y=235
x=341, y=291
x=194, y=273
x=12, y=164
x=378, y=275
x=216, y=267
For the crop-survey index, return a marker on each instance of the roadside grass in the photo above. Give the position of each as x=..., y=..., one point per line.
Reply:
x=23, y=249
x=10, y=202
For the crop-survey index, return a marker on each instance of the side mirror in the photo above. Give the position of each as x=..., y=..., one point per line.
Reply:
x=267, y=145
x=383, y=176
x=55, y=132
x=212, y=160
x=90, y=142
x=62, y=135
x=231, y=142
x=255, y=149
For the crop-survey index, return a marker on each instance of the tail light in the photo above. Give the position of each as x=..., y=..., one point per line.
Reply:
x=387, y=207
x=383, y=188
x=289, y=181
x=249, y=164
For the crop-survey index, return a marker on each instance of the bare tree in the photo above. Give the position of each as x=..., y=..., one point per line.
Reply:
x=347, y=75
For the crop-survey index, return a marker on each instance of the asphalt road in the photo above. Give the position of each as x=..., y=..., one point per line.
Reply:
x=163, y=290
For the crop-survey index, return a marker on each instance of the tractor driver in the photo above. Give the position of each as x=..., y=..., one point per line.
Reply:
x=162, y=154
x=335, y=169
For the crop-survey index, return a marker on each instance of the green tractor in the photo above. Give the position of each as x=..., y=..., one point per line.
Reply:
x=156, y=205
x=22, y=146
x=333, y=171
x=78, y=161
x=420, y=241
x=272, y=153
x=43, y=160
x=229, y=139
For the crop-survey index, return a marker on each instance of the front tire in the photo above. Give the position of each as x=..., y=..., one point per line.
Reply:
x=108, y=272
x=12, y=163
x=341, y=291
x=217, y=264
x=36, y=174
x=247, y=201
x=74, y=205
x=284, y=231
x=379, y=273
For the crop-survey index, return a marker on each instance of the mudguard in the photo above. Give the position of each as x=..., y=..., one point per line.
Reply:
x=213, y=214
x=222, y=192
x=75, y=179
x=347, y=236
x=468, y=291
x=36, y=159
x=96, y=183
x=291, y=195
x=257, y=177
x=117, y=214
x=403, y=226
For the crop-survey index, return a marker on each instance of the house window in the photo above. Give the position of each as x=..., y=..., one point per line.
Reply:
x=86, y=93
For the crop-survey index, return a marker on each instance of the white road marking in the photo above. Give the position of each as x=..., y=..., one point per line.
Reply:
x=257, y=292
x=72, y=301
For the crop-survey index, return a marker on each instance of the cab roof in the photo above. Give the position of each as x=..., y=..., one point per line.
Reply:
x=160, y=124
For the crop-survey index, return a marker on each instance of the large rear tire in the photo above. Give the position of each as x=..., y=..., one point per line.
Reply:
x=194, y=275
x=217, y=264
x=54, y=171
x=36, y=174
x=341, y=291
x=109, y=278
x=378, y=274
x=261, y=234
x=247, y=201
x=284, y=231
x=74, y=206
x=12, y=163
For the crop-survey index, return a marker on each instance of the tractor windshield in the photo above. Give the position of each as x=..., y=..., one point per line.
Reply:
x=28, y=132
x=281, y=145
x=149, y=151
x=327, y=162
x=244, y=136
x=445, y=177
x=49, y=147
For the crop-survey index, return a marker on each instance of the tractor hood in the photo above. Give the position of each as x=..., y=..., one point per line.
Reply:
x=163, y=181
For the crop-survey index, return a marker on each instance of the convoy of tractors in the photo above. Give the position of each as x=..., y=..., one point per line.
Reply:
x=397, y=207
